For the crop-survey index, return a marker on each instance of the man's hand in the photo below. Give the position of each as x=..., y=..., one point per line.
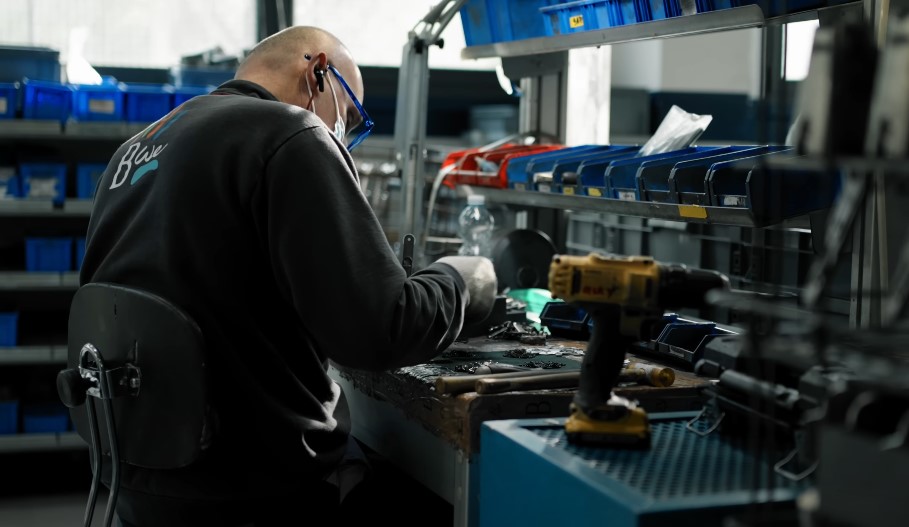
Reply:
x=480, y=276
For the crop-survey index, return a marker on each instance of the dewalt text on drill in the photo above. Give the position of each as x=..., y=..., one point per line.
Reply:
x=625, y=296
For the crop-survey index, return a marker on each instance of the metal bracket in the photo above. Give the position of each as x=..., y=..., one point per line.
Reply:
x=792, y=476
x=703, y=413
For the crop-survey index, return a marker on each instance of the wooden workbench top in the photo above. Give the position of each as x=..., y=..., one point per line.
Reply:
x=457, y=418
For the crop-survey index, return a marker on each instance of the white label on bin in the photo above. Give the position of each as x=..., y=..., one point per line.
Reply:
x=544, y=188
x=733, y=201
x=101, y=105
x=627, y=195
x=4, y=106
x=42, y=187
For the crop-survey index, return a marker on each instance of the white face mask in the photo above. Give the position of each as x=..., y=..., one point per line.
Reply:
x=340, y=130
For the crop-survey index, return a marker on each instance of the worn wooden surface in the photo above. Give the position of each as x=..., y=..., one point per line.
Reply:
x=457, y=418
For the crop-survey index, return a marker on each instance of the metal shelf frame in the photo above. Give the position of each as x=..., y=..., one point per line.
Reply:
x=80, y=208
x=644, y=209
x=39, y=281
x=28, y=355
x=17, y=443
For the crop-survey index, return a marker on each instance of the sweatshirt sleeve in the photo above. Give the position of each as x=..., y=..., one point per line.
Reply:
x=333, y=263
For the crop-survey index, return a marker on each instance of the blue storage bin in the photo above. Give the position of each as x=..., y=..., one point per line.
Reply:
x=477, y=23
x=688, y=180
x=705, y=6
x=9, y=417
x=46, y=100
x=80, y=253
x=571, y=17
x=8, y=326
x=10, y=186
x=565, y=172
x=185, y=93
x=147, y=103
x=772, y=195
x=9, y=99
x=45, y=181
x=87, y=176
x=620, y=178
x=21, y=62
x=101, y=102
x=592, y=172
x=46, y=418
x=773, y=8
x=520, y=171
x=653, y=177
x=647, y=10
x=48, y=254
x=520, y=19
x=565, y=320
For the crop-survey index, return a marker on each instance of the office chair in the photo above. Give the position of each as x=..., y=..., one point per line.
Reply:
x=138, y=360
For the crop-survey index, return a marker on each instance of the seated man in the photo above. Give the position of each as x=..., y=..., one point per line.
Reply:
x=243, y=208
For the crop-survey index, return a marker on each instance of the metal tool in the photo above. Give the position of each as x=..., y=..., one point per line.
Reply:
x=407, y=254
x=625, y=296
x=541, y=379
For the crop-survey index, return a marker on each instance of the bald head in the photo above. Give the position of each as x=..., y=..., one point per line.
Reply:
x=289, y=64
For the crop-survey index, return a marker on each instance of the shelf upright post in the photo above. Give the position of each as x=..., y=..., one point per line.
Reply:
x=411, y=111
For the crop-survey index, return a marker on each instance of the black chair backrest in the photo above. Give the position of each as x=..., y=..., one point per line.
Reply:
x=164, y=425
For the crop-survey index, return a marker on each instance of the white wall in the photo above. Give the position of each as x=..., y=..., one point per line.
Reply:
x=725, y=62
x=375, y=31
x=149, y=33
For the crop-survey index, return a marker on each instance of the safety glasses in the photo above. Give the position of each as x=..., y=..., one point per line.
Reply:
x=368, y=125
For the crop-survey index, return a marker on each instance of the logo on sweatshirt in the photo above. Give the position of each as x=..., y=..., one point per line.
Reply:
x=140, y=157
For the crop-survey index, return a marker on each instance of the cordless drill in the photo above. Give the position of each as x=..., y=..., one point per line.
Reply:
x=625, y=297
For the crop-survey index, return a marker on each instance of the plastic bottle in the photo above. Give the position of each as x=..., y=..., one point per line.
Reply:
x=475, y=225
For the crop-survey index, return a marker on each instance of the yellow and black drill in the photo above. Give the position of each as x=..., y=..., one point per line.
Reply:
x=625, y=296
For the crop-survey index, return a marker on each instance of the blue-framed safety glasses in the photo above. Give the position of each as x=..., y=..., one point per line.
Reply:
x=368, y=124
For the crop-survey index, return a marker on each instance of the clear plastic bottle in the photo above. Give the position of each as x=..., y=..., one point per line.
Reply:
x=475, y=225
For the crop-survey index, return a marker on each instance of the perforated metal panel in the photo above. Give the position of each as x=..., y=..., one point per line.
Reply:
x=680, y=463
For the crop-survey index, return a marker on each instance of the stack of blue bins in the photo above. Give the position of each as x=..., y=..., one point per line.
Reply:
x=721, y=176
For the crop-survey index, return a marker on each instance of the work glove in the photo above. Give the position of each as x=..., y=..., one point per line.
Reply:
x=480, y=277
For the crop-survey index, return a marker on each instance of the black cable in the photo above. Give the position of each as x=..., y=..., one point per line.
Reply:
x=96, y=461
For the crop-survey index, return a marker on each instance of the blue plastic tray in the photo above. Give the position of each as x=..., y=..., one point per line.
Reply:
x=653, y=176
x=146, y=103
x=9, y=99
x=772, y=195
x=570, y=17
x=46, y=418
x=24, y=62
x=520, y=170
x=103, y=102
x=87, y=175
x=620, y=177
x=46, y=100
x=9, y=417
x=8, y=325
x=181, y=95
x=648, y=10
x=565, y=320
x=48, y=254
x=688, y=180
x=10, y=186
x=571, y=165
x=43, y=181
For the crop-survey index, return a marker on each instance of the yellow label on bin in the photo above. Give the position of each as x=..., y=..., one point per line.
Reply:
x=594, y=192
x=568, y=190
x=693, y=211
x=576, y=21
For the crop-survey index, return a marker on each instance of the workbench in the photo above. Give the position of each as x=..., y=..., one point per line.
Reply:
x=436, y=438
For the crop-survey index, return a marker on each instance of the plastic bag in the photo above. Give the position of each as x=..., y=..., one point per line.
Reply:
x=678, y=130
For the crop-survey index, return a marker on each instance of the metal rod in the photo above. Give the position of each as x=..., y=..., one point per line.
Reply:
x=114, y=449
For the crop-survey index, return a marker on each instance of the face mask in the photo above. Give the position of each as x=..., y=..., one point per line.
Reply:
x=340, y=130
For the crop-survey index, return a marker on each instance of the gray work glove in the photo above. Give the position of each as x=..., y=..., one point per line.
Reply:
x=480, y=276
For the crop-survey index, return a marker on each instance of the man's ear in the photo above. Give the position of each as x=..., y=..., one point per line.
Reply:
x=319, y=67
